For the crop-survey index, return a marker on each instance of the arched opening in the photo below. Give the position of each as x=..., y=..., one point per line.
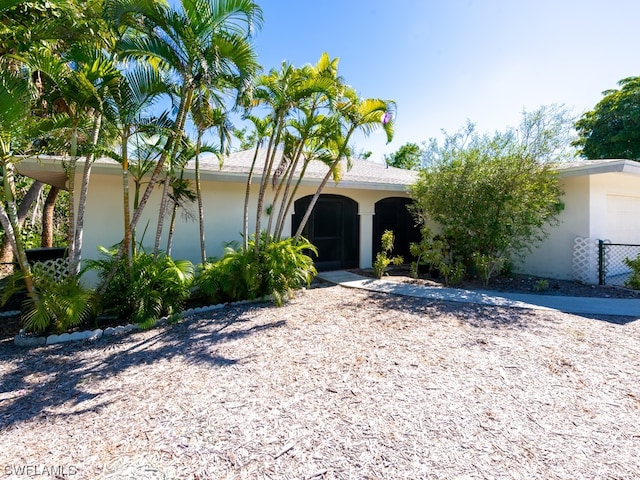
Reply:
x=333, y=228
x=392, y=214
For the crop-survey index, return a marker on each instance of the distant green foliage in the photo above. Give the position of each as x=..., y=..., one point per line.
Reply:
x=281, y=267
x=149, y=289
x=383, y=260
x=408, y=157
x=611, y=129
x=634, y=280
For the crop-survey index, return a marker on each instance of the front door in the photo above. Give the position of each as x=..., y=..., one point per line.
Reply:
x=333, y=228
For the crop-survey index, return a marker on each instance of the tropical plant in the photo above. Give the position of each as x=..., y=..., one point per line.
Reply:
x=149, y=289
x=204, y=43
x=281, y=267
x=286, y=266
x=355, y=114
x=382, y=261
x=62, y=303
x=634, y=279
x=15, y=101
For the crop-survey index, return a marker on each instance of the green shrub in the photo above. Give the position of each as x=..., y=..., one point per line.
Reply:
x=61, y=304
x=430, y=251
x=490, y=196
x=453, y=273
x=383, y=260
x=634, y=280
x=281, y=267
x=235, y=276
x=149, y=289
x=487, y=266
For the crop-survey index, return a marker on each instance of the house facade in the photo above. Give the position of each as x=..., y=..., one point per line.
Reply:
x=349, y=214
x=601, y=198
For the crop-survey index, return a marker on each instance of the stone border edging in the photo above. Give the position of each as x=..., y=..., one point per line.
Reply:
x=22, y=340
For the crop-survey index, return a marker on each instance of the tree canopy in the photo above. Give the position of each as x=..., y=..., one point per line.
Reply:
x=408, y=157
x=612, y=128
x=490, y=196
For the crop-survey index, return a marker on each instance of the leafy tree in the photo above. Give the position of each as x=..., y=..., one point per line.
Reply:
x=491, y=198
x=612, y=128
x=408, y=157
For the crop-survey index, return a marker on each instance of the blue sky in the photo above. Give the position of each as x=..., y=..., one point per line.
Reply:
x=446, y=61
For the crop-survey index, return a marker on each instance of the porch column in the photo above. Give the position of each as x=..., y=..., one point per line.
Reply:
x=366, y=238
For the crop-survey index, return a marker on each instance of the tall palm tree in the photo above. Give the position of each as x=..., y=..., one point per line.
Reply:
x=281, y=91
x=263, y=128
x=138, y=88
x=198, y=42
x=81, y=77
x=15, y=103
x=355, y=114
x=206, y=116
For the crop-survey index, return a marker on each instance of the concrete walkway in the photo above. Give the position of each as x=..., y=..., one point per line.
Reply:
x=577, y=305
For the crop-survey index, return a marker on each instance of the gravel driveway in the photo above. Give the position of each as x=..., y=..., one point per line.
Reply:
x=337, y=384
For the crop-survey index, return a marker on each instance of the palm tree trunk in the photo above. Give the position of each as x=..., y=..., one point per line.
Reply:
x=266, y=173
x=285, y=196
x=172, y=226
x=316, y=195
x=74, y=266
x=179, y=127
x=290, y=200
x=47, y=217
x=164, y=200
x=71, y=180
x=247, y=194
x=125, y=200
x=288, y=171
x=203, y=252
x=9, y=221
x=6, y=250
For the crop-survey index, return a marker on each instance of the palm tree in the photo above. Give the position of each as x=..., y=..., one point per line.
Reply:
x=205, y=116
x=282, y=91
x=198, y=43
x=15, y=104
x=355, y=114
x=81, y=78
x=138, y=88
x=263, y=128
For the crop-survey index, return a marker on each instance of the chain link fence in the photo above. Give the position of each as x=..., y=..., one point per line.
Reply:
x=612, y=266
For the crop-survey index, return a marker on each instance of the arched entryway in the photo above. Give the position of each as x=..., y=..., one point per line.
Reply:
x=333, y=228
x=392, y=214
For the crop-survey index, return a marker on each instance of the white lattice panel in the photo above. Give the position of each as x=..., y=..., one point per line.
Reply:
x=585, y=260
x=56, y=267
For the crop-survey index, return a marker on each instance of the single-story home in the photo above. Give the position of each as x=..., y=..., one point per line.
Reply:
x=345, y=226
x=602, y=201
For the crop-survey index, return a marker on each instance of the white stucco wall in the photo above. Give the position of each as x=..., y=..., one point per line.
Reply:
x=223, y=205
x=591, y=211
x=553, y=257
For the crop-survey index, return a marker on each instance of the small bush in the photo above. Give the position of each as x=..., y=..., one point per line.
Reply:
x=383, y=260
x=146, y=290
x=487, y=266
x=281, y=267
x=634, y=280
x=61, y=304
